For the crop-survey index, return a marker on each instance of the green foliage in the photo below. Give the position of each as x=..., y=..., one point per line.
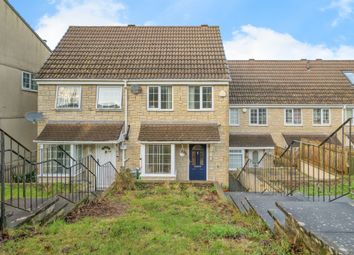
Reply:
x=168, y=218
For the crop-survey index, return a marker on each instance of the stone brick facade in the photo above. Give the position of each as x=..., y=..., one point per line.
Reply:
x=276, y=124
x=217, y=153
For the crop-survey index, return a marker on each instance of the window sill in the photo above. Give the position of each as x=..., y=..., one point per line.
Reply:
x=321, y=125
x=200, y=110
x=158, y=175
x=109, y=110
x=29, y=90
x=160, y=110
x=293, y=125
x=258, y=125
x=68, y=110
x=234, y=125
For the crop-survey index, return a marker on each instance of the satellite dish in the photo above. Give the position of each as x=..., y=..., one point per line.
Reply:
x=34, y=116
x=136, y=89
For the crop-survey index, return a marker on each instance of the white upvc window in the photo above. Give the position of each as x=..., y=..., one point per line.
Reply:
x=321, y=117
x=234, y=116
x=200, y=98
x=158, y=159
x=59, y=158
x=236, y=157
x=349, y=113
x=258, y=116
x=159, y=98
x=293, y=117
x=28, y=83
x=68, y=97
x=109, y=98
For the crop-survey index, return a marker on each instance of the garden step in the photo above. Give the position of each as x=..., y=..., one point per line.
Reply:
x=329, y=225
x=277, y=216
x=238, y=199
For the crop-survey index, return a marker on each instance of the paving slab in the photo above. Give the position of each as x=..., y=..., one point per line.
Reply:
x=333, y=223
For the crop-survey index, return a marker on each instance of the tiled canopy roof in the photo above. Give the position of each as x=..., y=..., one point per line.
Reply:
x=290, y=82
x=96, y=132
x=309, y=136
x=138, y=52
x=181, y=132
x=250, y=140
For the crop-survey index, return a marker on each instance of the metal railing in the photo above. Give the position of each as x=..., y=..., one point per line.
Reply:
x=27, y=183
x=319, y=170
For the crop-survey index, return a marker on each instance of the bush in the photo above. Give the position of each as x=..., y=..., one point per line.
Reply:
x=28, y=177
x=125, y=180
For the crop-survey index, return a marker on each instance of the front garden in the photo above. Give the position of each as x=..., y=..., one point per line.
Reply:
x=167, y=218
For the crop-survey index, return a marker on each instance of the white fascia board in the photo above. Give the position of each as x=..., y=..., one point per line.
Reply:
x=129, y=82
x=177, y=142
x=75, y=142
x=340, y=106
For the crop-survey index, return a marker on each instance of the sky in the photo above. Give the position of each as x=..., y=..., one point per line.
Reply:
x=259, y=29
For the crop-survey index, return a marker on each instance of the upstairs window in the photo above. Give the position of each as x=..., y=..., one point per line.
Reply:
x=68, y=97
x=234, y=116
x=109, y=98
x=350, y=76
x=293, y=117
x=159, y=98
x=258, y=116
x=28, y=83
x=321, y=116
x=200, y=98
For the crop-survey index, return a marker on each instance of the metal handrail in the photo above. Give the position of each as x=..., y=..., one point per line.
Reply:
x=242, y=169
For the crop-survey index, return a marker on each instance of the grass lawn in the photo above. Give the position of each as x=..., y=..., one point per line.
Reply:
x=333, y=189
x=153, y=219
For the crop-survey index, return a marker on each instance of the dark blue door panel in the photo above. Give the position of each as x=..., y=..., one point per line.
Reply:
x=197, y=162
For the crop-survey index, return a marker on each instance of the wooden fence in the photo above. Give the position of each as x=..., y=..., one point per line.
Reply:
x=329, y=157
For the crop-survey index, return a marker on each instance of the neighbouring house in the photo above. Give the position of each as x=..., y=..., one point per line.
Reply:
x=148, y=97
x=273, y=103
x=22, y=53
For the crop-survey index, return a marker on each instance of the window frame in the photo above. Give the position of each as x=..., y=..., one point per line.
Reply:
x=143, y=161
x=293, y=115
x=238, y=117
x=30, y=89
x=348, y=73
x=72, y=153
x=201, y=109
x=351, y=108
x=321, y=124
x=242, y=153
x=109, y=109
x=158, y=109
x=68, y=109
x=257, y=124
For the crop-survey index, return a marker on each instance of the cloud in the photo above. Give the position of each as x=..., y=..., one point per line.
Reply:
x=264, y=43
x=78, y=12
x=344, y=10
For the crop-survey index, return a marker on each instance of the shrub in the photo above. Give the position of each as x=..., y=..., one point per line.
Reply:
x=125, y=180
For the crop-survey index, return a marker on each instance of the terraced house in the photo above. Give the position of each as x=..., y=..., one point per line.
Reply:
x=166, y=101
x=154, y=98
x=273, y=103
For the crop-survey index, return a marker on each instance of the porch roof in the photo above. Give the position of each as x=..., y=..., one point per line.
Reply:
x=310, y=136
x=179, y=132
x=81, y=132
x=250, y=140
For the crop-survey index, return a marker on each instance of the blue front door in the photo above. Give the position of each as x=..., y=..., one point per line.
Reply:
x=197, y=162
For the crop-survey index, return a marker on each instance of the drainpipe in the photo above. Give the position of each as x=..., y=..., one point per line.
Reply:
x=125, y=120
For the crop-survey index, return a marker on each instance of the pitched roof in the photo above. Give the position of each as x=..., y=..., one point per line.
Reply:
x=138, y=52
x=309, y=136
x=290, y=82
x=181, y=132
x=250, y=140
x=80, y=132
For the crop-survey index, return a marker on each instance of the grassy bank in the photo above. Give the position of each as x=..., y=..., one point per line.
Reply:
x=159, y=219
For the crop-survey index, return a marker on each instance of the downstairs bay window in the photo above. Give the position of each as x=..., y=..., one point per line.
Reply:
x=58, y=158
x=158, y=160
